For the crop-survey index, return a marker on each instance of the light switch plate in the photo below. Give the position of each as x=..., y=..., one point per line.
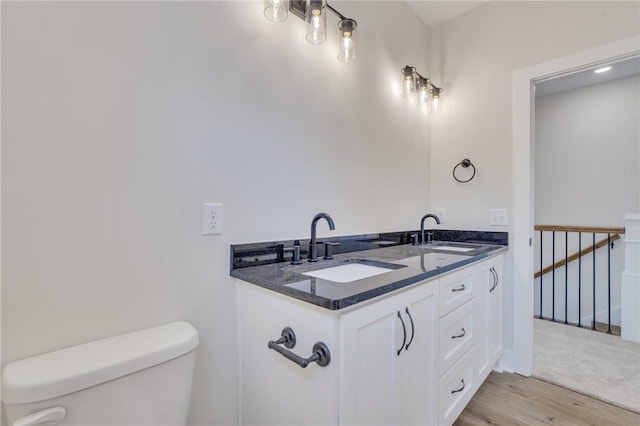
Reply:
x=499, y=217
x=211, y=219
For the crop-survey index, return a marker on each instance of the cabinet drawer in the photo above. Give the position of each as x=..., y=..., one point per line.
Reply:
x=455, y=290
x=457, y=335
x=456, y=389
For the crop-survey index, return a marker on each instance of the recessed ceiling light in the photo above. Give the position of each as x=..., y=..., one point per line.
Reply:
x=601, y=70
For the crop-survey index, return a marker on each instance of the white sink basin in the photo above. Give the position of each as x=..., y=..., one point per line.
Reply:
x=347, y=273
x=454, y=248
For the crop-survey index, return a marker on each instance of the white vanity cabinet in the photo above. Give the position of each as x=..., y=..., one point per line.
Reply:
x=490, y=289
x=388, y=365
x=414, y=357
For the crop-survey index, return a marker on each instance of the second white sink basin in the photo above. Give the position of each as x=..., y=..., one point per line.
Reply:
x=455, y=248
x=348, y=272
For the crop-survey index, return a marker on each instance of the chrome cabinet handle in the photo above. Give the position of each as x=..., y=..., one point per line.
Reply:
x=461, y=288
x=459, y=390
x=404, y=334
x=459, y=335
x=413, y=329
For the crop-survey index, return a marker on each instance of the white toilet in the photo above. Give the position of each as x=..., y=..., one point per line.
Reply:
x=136, y=379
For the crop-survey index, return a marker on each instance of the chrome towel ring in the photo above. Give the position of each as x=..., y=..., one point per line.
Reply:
x=464, y=163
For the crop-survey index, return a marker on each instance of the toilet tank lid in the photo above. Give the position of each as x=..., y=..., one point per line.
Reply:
x=78, y=367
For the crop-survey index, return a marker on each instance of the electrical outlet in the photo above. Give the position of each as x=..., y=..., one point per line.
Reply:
x=498, y=217
x=440, y=212
x=211, y=219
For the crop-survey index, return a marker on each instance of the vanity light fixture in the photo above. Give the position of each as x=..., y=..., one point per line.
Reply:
x=414, y=83
x=314, y=13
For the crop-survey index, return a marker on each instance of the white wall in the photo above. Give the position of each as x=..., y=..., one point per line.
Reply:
x=587, y=153
x=474, y=57
x=121, y=119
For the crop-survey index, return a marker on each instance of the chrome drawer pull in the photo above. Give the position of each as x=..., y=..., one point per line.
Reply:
x=459, y=335
x=459, y=390
x=461, y=288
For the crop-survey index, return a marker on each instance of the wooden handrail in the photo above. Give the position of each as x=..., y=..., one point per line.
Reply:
x=593, y=229
x=574, y=256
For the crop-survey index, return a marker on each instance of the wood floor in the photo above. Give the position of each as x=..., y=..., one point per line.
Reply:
x=510, y=399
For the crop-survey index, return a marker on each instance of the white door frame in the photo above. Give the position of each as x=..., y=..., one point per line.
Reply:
x=523, y=144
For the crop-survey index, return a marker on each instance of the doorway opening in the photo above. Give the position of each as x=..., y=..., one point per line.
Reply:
x=521, y=358
x=586, y=180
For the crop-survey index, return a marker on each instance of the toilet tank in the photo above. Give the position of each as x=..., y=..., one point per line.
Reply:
x=135, y=379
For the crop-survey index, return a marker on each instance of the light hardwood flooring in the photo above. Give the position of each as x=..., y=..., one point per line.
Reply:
x=510, y=399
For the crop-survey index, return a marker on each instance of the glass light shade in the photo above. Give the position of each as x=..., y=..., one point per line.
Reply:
x=408, y=88
x=347, y=40
x=276, y=10
x=316, y=17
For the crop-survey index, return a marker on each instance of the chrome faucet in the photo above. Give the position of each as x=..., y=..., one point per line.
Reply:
x=422, y=226
x=313, y=254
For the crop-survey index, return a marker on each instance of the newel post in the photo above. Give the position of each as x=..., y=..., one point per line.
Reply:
x=630, y=292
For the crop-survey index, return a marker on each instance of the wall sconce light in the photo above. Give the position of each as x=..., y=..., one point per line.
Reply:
x=414, y=83
x=313, y=12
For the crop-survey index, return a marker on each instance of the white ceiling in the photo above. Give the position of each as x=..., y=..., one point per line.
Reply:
x=434, y=13
x=585, y=78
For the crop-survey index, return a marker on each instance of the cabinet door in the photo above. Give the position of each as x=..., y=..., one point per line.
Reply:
x=418, y=360
x=370, y=338
x=495, y=316
x=489, y=316
x=485, y=280
x=388, y=361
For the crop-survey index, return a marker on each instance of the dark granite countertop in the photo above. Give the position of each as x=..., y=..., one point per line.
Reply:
x=409, y=264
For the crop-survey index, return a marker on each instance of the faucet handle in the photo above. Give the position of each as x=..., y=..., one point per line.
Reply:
x=295, y=257
x=414, y=238
x=429, y=237
x=328, y=249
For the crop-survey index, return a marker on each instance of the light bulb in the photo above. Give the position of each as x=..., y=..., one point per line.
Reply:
x=423, y=94
x=347, y=45
x=434, y=104
x=316, y=25
x=407, y=85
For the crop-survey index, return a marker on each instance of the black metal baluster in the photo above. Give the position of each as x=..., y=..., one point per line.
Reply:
x=609, y=279
x=580, y=279
x=553, y=276
x=566, y=277
x=540, y=275
x=593, y=324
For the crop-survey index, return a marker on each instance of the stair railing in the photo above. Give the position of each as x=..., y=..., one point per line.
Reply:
x=612, y=234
